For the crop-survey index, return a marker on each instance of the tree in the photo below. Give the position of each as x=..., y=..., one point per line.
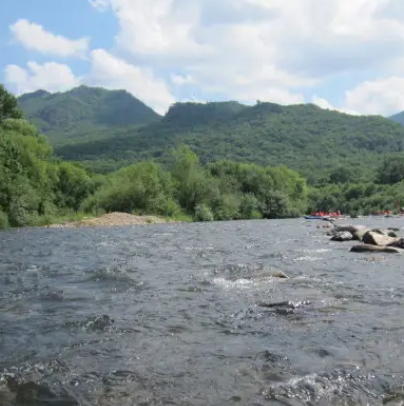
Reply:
x=8, y=105
x=392, y=170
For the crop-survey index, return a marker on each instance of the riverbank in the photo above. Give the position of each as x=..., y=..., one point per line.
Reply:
x=113, y=219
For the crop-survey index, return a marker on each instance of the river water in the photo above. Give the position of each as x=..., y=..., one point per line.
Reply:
x=185, y=314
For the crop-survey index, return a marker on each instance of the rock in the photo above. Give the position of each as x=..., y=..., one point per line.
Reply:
x=350, y=228
x=375, y=248
x=278, y=274
x=389, y=233
x=358, y=235
x=35, y=394
x=290, y=304
x=393, y=229
x=374, y=238
x=326, y=225
x=342, y=236
x=399, y=243
x=272, y=274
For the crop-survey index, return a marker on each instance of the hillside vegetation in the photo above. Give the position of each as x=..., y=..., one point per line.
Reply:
x=398, y=118
x=37, y=188
x=85, y=114
x=215, y=161
x=303, y=137
x=106, y=130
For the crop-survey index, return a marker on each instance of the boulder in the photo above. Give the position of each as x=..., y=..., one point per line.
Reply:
x=350, y=228
x=342, y=236
x=393, y=229
x=374, y=238
x=358, y=235
x=375, y=248
x=398, y=243
x=327, y=226
x=387, y=232
x=278, y=274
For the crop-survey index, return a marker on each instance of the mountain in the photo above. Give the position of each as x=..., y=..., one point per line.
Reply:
x=85, y=114
x=303, y=137
x=398, y=118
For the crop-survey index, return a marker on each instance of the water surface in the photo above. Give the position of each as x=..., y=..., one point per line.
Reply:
x=185, y=314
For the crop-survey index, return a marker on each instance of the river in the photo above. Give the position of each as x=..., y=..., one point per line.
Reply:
x=185, y=314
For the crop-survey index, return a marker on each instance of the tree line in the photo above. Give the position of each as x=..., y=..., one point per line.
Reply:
x=37, y=188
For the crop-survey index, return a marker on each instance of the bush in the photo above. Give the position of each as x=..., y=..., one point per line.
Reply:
x=227, y=208
x=203, y=213
x=4, y=223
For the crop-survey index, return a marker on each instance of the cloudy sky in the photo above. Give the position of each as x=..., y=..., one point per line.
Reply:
x=341, y=54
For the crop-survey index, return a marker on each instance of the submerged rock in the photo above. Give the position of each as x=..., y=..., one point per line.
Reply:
x=374, y=238
x=34, y=394
x=278, y=274
x=350, y=228
x=342, y=236
x=375, y=248
x=289, y=304
x=272, y=274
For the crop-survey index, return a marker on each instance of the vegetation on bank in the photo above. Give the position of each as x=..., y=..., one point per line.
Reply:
x=344, y=190
x=37, y=188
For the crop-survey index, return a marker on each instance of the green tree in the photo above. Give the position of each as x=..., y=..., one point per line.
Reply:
x=8, y=105
x=392, y=170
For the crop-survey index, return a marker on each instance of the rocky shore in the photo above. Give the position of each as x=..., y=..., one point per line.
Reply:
x=112, y=219
x=370, y=240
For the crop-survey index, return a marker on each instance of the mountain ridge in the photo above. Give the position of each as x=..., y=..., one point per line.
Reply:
x=74, y=115
x=398, y=118
x=304, y=137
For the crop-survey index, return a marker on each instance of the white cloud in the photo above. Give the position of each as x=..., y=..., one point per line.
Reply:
x=383, y=96
x=181, y=80
x=114, y=73
x=49, y=76
x=325, y=104
x=34, y=37
x=249, y=49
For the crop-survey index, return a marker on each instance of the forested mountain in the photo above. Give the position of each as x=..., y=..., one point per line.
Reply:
x=106, y=130
x=85, y=114
x=398, y=118
x=36, y=188
x=303, y=137
x=354, y=164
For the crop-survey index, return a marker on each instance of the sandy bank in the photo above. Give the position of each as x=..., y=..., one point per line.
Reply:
x=112, y=219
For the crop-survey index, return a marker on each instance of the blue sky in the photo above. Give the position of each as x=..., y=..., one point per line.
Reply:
x=340, y=54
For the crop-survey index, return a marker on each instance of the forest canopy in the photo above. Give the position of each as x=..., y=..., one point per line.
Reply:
x=37, y=187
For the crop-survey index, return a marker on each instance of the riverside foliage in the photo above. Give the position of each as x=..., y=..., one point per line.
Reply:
x=37, y=188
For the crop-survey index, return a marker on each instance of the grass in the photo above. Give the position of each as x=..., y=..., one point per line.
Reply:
x=181, y=217
x=65, y=217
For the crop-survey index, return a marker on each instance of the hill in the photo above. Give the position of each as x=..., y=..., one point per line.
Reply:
x=398, y=118
x=303, y=137
x=85, y=114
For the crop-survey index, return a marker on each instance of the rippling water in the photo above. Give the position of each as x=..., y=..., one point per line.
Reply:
x=185, y=314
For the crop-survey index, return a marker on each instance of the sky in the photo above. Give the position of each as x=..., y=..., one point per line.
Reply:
x=346, y=55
